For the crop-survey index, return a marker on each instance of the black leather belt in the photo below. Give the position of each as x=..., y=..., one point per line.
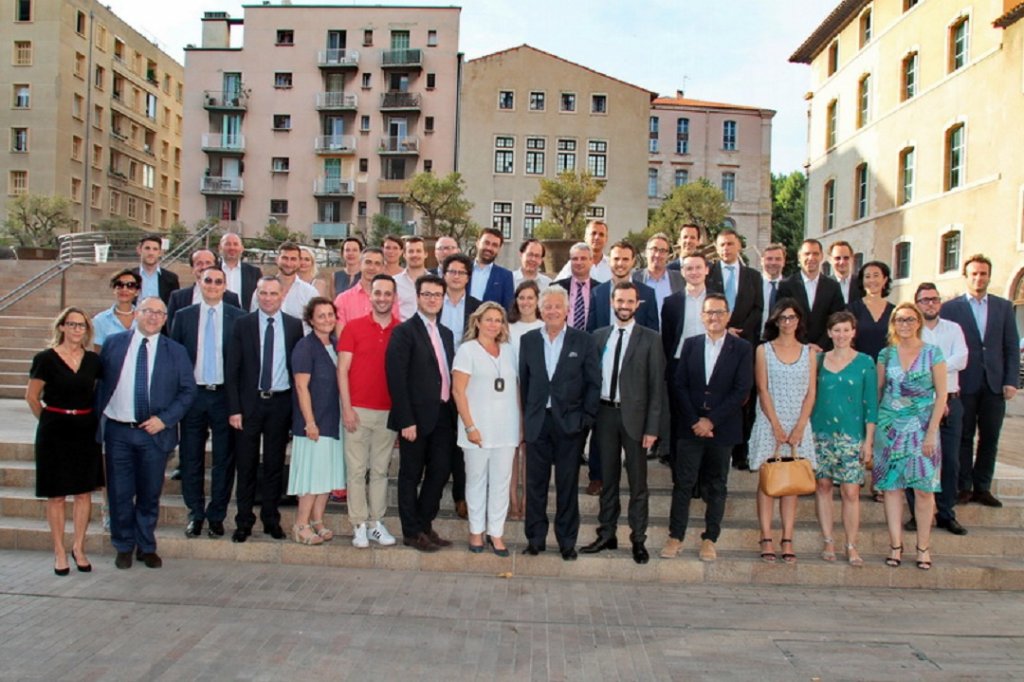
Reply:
x=130, y=425
x=955, y=394
x=267, y=395
x=210, y=387
x=611, y=403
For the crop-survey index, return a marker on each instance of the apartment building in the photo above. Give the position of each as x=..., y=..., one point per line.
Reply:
x=318, y=115
x=526, y=115
x=729, y=144
x=914, y=140
x=94, y=113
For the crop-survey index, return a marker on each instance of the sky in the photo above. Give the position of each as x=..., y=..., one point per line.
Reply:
x=734, y=51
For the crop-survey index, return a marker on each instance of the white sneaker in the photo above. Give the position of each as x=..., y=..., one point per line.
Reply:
x=381, y=536
x=360, y=540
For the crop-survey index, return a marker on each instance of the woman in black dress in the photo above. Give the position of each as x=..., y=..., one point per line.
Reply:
x=873, y=310
x=61, y=391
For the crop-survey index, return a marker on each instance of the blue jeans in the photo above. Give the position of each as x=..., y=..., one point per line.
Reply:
x=208, y=414
x=135, y=477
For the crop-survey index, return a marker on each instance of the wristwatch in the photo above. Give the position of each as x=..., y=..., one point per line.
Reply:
x=470, y=429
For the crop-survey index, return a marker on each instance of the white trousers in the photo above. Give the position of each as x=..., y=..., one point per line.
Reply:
x=488, y=475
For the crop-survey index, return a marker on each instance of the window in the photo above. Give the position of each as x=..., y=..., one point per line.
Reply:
x=428, y=165
x=652, y=135
x=599, y=104
x=568, y=101
x=506, y=100
x=431, y=81
x=535, y=155
x=97, y=117
x=19, y=140
x=830, y=123
x=115, y=201
x=428, y=124
x=399, y=40
x=729, y=136
x=501, y=217
x=131, y=207
x=683, y=136
x=652, y=183
x=597, y=158
x=950, y=252
x=833, y=57
x=283, y=79
x=829, y=212
x=282, y=122
x=147, y=213
x=76, y=190
x=729, y=185
x=361, y=209
x=958, y=43
x=865, y=28
x=909, y=72
x=863, y=100
x=76, y=148
x=97, y=156
x=901, y=261
x=566, y=160
x=906, y=182
x=96, y=196
x=148, y=176
x=101, y=37
x=431, y=38
x=119, y=49
x=955, y=149
x=364, y=123
x=503, y=154
x=861, y=191
x=17, y=182
x=366, y=81
x=167, y=84
x=532, y=215
x=279, y=206
x=99, y=77
x=150, y=106
x=594, y=212
x=909, y=4
x=285, y=36
x=364, y=165
x=77, y=103
x=536, y=101
x=22, y=96
x=79, y=68
x=682, y=176
x=22, y=52
x=367, y=37
x=23, y=10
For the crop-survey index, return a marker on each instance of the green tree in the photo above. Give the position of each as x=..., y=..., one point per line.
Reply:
x=36, y=220
x=789, y=196
x=697, y=203
x=381, y=226
x=567, y=199
x=443, y=206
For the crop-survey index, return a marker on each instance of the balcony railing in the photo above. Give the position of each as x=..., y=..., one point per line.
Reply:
x=400, y=100
x=399, y=145
x=391, y=188
x=219, y=99
x=329, y=230
x=222, y=142
x=336, y=100
x=401, y=58
x=334, y=187
x=337, y=58
x=334, y=144
x=212, y=184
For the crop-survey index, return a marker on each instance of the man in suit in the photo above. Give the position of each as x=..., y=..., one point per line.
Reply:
x=656, y=275
x=418, y=366
x=689, y=242
x=295, y=293
x=579, y=285
x=840, y=255
x=205, y=330
x=988, y=381
x=182, y=298
x=595, y=236
x=146, y=389
x=560, y=389
x=773, y=261
x=258, y=385
x=155, y=280
x=713, y=378
x=623, y=258
x=242, y=277
x=443, y=247
x=489, y=281
x=817, y=295
x=629, y=418
x=531, y=258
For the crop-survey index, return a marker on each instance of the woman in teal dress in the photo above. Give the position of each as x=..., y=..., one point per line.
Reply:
x=843, y=421
x=912, y=383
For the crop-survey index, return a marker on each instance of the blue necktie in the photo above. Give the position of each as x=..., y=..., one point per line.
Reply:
x=267, y=375
x=730, y=286
x=773, y=296
x=142, y=382
x=210, y=348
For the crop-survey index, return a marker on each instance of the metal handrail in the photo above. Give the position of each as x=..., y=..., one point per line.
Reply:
x=184, y=249
x=33, y=283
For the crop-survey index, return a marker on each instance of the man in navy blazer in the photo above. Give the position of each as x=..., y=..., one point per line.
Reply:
x=489, y=281
x=146, y=389
x=182, y=298
x=828, y=297
x=242, y=277
x=988, y=381
x=205, y=330
x=622, y=259
x=560, y=389
x=155, y=280
x=713, y=378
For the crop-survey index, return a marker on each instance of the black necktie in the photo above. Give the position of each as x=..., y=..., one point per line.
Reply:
x=267, y=375
x=615, y=366
x=773, y=296
x=142, y=382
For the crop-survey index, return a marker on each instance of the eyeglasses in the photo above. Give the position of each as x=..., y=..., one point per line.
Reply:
x=905, y=320
x=210, y=280
x=432, y=294
x=76, y=325
x=655, y=249
x=460, y=273
x=928, y=299
x=153, y=313
x=125, y=285
x=716, y=313
x=788, y=318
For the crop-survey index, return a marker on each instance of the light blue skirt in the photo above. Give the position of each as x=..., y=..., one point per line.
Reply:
x=316, y=468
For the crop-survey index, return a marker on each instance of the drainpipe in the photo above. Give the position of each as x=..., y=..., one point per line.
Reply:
x=87, y=143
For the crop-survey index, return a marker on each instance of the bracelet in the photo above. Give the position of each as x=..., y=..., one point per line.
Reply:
x=470, y=429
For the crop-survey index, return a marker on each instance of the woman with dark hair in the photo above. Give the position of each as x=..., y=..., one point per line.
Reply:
x=843, y=421
x=318, y=462
x=872, y=311
x=119, y=317
x=523, y=316
x=393, y=248
x=786, y=381
x=61, y=391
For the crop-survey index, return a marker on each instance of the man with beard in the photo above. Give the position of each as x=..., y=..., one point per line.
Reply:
x=415, y=267
x=489, y=281
x=295, y=293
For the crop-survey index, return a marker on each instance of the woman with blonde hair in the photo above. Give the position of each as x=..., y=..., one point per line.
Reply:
x=308, y=271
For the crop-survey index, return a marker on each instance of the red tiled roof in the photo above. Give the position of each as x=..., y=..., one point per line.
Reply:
x=827, y=30
x=687, y=102
x=1010, y=17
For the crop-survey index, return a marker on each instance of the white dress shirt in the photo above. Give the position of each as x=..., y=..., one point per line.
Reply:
x=541, y=279
x=692, y=323
x=766, y=288
x=405, y=289
x=712, y=349
x=608, y=360
x=600, y=272
x=844, y=285
x=121, y=407
x=949, y=337
x=233, y=278
x=811, y=287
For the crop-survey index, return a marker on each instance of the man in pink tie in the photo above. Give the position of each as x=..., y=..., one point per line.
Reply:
x=418, y=368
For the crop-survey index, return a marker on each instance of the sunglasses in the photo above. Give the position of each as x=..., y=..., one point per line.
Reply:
x=125, y=285
x=210, y=280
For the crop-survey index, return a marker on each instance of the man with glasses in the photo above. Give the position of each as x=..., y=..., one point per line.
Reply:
x=531, y=258
x=656, y=275
x=443, y=247
x=121, y=316
x=712, y=379
x=200, y=260
x=840, y=254
x=146, y=389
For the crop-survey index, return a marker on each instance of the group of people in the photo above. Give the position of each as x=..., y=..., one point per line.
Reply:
x=494, y=378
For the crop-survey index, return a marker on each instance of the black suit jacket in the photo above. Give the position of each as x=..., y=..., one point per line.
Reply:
x=992, y=362
x=574, y=389
x=243, y=362
x=600, y=307
x=167, y=281
x=827, y=300
x=721, y=399
x=641, y=379
x=186, y=330
x=673, y=312
x=567, y=285
x=182, y=298
x=746, y=313
x=413, y=376
x=250, y=278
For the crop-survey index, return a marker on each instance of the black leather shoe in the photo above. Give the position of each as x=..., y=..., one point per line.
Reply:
x=569, y=554
x=910, y=525
x=240, y=535
x=420, y=542
x=437, y=539
x=176, y=474
x=123, y=560
x=640, y=554
x=194, y=529
x=216, y=529
x=275, y=531
x=964, y=497
x=984, y=497
x=151, y=559
x=599, y=545
x=953, y=526
x=534, y=550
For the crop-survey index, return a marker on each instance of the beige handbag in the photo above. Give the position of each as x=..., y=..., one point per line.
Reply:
x=784, y=476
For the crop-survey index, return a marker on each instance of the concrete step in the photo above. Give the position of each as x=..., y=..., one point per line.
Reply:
x=14, y=390
x=16, y=366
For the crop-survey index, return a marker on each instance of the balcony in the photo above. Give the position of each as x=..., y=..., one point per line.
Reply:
x=337, y=59
x=401, y=59
x=223, y=143
x=219, y=100
x=391, y=188
x=336, y=101
x=335, y=144
x=212, y=184
x=409, y=144
x=400, y=101
x=333, y=187
x=330, y=230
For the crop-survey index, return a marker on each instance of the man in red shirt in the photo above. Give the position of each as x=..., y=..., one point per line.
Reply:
x=365, y=403
x=355, y=301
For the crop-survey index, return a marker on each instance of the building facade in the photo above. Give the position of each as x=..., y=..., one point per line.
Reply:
x=913, y=153
x=526, y=115
x=728, y=144
x=319, y=115
x=94, y=113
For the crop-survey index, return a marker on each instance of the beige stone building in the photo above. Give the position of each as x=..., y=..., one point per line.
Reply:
x=93, y=113
x=318, y=115
x=527, y=114
x=729, y=144
x=914, y=139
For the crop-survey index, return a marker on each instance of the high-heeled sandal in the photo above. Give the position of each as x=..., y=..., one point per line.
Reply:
x=892, y=561
x=854, y=561
x=303, y=539
x=788, y=557
x=82, y=568
x=767, y=557
x=320, y=529
x=826, y=554
x=921, y=563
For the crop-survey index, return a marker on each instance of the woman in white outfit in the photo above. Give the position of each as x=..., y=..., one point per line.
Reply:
x=486, y=389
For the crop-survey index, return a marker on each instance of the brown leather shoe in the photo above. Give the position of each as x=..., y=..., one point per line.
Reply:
x=420, y=542
x=437, y=539
x=707, y=550
x=594, y=488
x=672, y=549
x=461, y=510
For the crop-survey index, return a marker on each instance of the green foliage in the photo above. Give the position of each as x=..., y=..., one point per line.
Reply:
x=567, y=199
x=699, y=203
x=36, y=220
x=382, y=226
x=789, y=196
x=442, y=205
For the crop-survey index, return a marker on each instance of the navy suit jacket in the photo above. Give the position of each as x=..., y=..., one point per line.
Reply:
x=172, y=387
x=994, y=361
x=185, y=330
x=746, y=313
x=250, y=278
x=574, y=389
x=182, y=298
x=500, y=288
x=721, y=399
x=600, y=307
x=413, y=377
x=243, y=361
x=828, y=299
x=673, y=314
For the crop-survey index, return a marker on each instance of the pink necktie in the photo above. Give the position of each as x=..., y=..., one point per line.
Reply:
x=435, y=339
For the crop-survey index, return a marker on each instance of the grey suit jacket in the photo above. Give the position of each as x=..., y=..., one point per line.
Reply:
x=641, y=379
x=675, y=279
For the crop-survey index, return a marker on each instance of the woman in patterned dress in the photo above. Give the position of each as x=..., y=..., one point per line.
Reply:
x=912, y=388
x=843, y=421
